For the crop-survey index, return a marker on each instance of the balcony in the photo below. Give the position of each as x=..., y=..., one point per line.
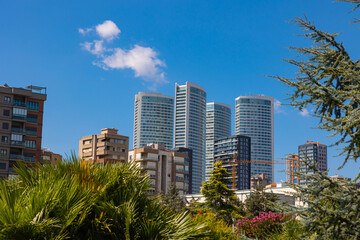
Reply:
x=17, y=143
x=20, y=117
x=19, y=103
x=29, y=159
x=18, y=130
x=16, y=157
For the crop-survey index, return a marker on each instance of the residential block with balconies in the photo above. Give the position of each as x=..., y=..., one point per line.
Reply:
x=21, y=121
x=108, y=146
x=165, y=167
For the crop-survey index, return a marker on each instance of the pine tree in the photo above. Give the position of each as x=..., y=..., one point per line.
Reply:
x=329, y=80
x=219, y=198
x=172, y=200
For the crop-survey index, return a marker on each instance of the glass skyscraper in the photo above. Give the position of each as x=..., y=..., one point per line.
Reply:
x=254, y=117
x=218, y=125
x=153, y=119
x=190, y=120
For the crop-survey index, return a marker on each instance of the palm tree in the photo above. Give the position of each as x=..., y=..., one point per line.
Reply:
x=76, y=199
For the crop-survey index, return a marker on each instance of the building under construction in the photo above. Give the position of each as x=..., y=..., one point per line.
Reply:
x=235, y=154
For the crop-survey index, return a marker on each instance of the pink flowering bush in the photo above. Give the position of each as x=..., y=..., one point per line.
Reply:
x=261, y=226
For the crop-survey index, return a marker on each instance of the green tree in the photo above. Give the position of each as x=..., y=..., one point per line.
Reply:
x=328, y=79
x=79, y=200
x=259, y=201
x=172, y=199
x=219, y=198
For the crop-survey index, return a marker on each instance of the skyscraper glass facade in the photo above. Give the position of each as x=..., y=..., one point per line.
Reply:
x=234, y=153
x=254, y=117
x=218, y=125
x=153, y=119
x=190, y=120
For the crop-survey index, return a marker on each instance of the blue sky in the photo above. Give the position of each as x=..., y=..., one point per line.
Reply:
x=225, y=46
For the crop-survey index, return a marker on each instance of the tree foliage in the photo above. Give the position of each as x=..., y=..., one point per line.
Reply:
x=329, y=80
x=79, y=200
x=259, y=201
x=172, y=199
x=219, y=198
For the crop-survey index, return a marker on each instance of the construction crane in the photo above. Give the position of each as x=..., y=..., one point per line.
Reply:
x=234, y=161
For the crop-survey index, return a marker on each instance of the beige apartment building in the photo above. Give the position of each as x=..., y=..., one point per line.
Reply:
x=48, y=156
x=108, y=146
x=165, y=167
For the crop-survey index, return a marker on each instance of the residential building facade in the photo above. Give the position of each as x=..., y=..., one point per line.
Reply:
x=235, y=154
x=153, y=119
x=292, y=168
x=218, y=125
x=106, y=147
x=165, y=167
x=313, y=152
x=254, y=117
x=21, y=122
x=48, y=156
x=188, y=159
x=190, y=121
x=260, y=180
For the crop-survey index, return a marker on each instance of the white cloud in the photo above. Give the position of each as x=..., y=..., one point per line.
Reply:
x=95, y=47
x=107, y=30
x=84, y=31
x=143, y=61
x=304, y=112
x=277, y=106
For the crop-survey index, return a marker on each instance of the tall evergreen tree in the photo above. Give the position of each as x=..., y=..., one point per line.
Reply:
x=329, y=80
x=259, y=201
x=172, y=199
x=219, y=198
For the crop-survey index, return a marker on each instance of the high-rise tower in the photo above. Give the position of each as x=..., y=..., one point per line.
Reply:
x=254, y=117
x=218, y=125
x=190, y=120
x=314, y=152
x=153, y=120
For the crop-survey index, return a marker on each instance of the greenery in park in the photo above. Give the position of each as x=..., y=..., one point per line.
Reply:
x=219, y=198
x=328, y=79
x=172, y=199
x=259, y=202
x=79, y=200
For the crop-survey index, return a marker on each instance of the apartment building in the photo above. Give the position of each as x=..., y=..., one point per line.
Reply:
x=259, y=180
x=21, y=122
x=48, y=156
x=218, y=125
x=313, y=152
x=165, y=167
x=108, y=146
x=235, y=154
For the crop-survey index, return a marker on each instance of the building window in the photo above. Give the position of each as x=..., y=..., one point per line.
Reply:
x=4, y=139
x=6, y=112
x=3, y=152
x=7, y=99
x=5, y=125
x=2, y=165
x=32, y=105
x=122, y=150
x=116, y=140
x=30, y=143
x=122, y=141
